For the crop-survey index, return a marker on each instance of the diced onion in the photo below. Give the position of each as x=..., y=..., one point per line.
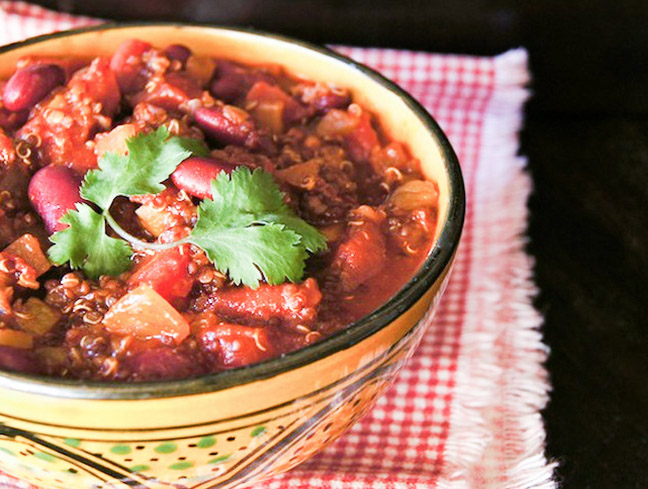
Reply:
x=415, y=194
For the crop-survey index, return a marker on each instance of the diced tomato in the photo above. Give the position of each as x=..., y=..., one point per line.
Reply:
x=98, y=82
x=361, y=255
x=18, y=272
x=29, y=249
x=128, y=65
x=234, y=345
x=363, y=139
x=167, y=273
x=145, y=314
x=65, y=125
x=290, y=302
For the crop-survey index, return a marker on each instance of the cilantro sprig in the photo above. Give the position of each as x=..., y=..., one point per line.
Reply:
x=246, y=229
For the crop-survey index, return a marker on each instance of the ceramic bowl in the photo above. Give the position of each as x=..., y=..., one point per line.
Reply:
x=246, y=424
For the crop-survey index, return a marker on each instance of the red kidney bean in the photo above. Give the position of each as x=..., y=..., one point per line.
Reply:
x=330, y=100
x=54, y=190
x=30, y=85
x=12, y=120
x=195, y=175
x=233, y=345
x=225, y=129
x=163, y=363
x=230, y=82
x=293, y=303
x=233, y=81
x=128, y=66
x=16, y=360
x=178, y=52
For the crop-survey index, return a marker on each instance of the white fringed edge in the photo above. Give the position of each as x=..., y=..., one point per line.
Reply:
x=486, y=388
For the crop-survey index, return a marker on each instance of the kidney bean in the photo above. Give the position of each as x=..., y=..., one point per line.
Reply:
x=361, y=255
x=29, y=85
x=233, y=345
x=227, y=125
x=12, y=120
x=293, y=303
x=233, y=81
x=54, y=190
x=16, y=360
x=128, y=65
x=178, y=52
x=195, y=175
x=330, y=100
x=163, y=363
x=177, y=89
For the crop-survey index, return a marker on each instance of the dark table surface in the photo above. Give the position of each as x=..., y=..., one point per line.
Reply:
x=586, y=139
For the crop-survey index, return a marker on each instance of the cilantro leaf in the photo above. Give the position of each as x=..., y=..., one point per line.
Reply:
x=251, y=253
x=257, y=193
x=312, y=239
x=248, y=231
x=85, y=244
x=150, y=160
x=248, y=192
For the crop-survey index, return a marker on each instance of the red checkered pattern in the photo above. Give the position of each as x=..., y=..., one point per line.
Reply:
x=464, y=412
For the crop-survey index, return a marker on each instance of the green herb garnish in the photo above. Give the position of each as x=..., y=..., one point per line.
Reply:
x=246, y=229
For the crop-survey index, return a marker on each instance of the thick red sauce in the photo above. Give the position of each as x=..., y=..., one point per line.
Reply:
x=336, y=167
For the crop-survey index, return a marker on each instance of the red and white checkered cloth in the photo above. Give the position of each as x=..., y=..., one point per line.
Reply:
x=464, y=412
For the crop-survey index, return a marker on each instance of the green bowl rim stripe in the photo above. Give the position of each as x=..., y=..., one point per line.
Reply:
x=429, y=273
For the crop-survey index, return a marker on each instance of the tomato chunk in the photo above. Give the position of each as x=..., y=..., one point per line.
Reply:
x=290, y=302
x=234, y=345
x=66, y=126
x=363, y=139
x=167, y=273
x=98, y=83
x=146, y=314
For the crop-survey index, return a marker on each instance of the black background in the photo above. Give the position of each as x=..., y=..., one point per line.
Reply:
x=586, y=139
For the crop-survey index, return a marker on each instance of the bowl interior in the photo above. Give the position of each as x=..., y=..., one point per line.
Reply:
x=402, y=118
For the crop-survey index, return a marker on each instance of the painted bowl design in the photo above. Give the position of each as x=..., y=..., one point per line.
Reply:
x=246, y=424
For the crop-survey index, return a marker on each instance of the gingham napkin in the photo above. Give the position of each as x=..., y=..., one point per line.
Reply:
x=464, y=412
